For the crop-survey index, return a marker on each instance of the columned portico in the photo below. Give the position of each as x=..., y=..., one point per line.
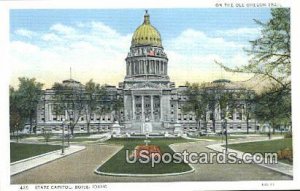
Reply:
x=146, y=107
x=143, y=109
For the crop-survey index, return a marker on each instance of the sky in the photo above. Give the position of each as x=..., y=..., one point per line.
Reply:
x=45, y=43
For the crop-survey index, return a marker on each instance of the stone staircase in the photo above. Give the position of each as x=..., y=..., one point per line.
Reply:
x=135, y=127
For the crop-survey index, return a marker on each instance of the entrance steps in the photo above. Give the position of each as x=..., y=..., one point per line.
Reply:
x=135, y=127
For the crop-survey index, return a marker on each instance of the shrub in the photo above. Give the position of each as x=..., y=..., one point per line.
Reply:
x=288, y=135
x=47, y=134
x=286, y=153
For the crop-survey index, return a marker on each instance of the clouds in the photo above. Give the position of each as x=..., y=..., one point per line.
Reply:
x=95, y=50
x=193, y=53
x=62, y=29
x=25, y=33
x=244, y=31
x=196, y=42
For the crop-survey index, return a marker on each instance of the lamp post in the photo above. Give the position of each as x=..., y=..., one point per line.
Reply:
x=63, y=138
x=226, y=138
x=224, y=126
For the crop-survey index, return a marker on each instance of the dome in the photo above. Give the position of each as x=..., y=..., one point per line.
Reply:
x=146, y=34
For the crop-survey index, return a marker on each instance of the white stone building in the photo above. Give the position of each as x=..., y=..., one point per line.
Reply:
x=148, y=95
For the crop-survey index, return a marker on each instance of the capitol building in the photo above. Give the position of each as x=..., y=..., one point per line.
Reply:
x=148, y=95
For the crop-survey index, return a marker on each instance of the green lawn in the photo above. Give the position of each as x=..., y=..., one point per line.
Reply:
x=217, y=138
x=19, y=151
x=264, y=146
x=79, y=139
x=118, y=164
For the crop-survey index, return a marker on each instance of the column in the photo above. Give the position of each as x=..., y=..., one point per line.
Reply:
x=133, y=68
x=66, y=115
x=50, y=112
x=140, y=67
x=152, y=116
x=160, y=70
x=163, y=67
x=152, y=68
x=148, y=67
x=166, y=68
x=161, y=108
x=145, y=67
x=133, y=107
x=143, y=113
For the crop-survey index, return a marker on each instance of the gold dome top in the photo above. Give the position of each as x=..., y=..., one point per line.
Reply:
x=146, y=34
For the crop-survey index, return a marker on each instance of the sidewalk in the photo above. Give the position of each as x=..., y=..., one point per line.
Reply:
x=279, y=167
x=29, y=163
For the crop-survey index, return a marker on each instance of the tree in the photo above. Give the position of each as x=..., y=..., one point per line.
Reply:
x=117, y=106
x=69, y=98
x=197, y=102
x=273, y=106
x=220, y=99
x=103, y=107
x=47, y=134
x=270, y=60
x=28, y=95
x=14, y=114
x=95, y=93
x=248, y=98
x=270, y=54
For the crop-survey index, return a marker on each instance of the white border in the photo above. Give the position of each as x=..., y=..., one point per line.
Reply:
x=93, y=4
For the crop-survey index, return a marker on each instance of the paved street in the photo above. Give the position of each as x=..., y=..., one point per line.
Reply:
x=79, y=168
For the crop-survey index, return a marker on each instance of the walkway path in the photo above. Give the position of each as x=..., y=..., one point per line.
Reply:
x=279, y=167
x=29, y=163
x=79, y=168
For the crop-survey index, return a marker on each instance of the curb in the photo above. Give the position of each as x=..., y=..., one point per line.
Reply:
x=211, y=147
x=32, y=158
x=96, y=171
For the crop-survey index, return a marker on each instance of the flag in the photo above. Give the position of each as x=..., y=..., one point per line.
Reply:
x=151, y=53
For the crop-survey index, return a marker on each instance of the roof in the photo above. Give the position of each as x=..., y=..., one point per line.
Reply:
x=146, y=34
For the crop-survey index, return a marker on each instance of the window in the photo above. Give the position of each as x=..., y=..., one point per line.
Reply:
x=172, y=105
x=191, y=117
x=179, y=116
x=239, y=127
x=211, y=116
